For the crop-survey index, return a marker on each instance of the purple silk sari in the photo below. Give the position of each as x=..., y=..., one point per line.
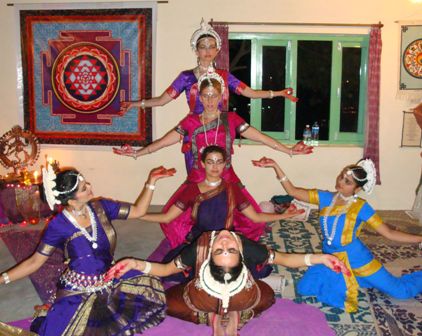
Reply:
x=187, y=82
x=136, y=299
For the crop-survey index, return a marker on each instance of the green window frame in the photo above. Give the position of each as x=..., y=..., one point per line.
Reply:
x=290, y=42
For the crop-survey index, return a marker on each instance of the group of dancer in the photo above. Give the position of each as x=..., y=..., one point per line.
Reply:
x=212, y=225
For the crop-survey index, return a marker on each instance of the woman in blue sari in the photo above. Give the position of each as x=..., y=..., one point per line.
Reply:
x=87, y=304
x=342, y=217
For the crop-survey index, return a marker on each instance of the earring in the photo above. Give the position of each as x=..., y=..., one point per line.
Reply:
x=355, y=198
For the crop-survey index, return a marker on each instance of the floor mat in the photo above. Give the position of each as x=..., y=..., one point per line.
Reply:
x=378, y=314
x=284, y=318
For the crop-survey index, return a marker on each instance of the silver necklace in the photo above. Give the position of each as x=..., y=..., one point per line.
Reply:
x=216, y=130
x=330, y=237
x=79, y=213
x=213, y=183
x=345, y=198
x=91, y=238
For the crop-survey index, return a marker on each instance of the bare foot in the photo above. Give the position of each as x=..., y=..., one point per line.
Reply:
x=231, y=328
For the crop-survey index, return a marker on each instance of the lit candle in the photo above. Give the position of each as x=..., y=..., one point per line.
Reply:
x=36, y=174
x=50, y=160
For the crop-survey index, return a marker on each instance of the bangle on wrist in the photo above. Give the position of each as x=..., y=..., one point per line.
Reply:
x=143, y=104
x=147, y=267
x=420, y=246
x=291, y=152
x=150, y=186
x=282, y=178
x=6, y=278
x=307, y=259
x=271, y=92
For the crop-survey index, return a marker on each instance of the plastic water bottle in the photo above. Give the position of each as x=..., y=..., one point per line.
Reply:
x=307, y=134
x=315, y=134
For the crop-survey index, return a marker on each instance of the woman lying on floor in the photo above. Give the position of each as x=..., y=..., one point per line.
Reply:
x=223, y=293
x=342, y=216
x=86, y=303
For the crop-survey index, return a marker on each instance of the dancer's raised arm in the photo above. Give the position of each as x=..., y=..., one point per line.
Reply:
x=301, y=194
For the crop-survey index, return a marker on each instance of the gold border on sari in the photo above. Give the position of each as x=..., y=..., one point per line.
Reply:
x=8, y=330
x=366, y=270
x=205, y=196
x=351, y=302
x=350, y=222
x=375, y=221
x=124, y=211
x=146, y=285
x=68, y=240
x=45, y=249
x=108, y=228
x=79, y=321
x=313, y=196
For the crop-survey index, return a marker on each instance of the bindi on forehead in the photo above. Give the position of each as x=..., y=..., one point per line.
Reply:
x=207, y=42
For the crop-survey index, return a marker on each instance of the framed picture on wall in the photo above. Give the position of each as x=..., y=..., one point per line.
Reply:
x=411, y=132
x=78, y=63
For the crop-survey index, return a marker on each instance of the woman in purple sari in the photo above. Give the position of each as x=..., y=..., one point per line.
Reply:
x=206, y=43
x=86, y=303
x=213, y=204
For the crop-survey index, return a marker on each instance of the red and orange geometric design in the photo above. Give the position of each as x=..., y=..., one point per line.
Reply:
x=78, y=66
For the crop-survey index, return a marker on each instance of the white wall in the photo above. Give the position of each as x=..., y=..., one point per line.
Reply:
x=123, y=178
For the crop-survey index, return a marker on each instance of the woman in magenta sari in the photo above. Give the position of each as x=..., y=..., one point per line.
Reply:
x=86, y=303
x=214, y=127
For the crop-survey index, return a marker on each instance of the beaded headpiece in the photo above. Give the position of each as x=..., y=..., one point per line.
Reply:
x=371, y=174
x=222, y=291
x=211, y=74
x=204, y=29
x=49, y=183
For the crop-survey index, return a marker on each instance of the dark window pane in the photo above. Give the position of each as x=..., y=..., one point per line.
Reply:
x=240, y=67
x=313, y=86
x=350, y=82
x=273, y=78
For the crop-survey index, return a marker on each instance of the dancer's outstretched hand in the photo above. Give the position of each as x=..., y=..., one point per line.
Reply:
x=120, y=268
x=335, y=264
x=293, y=211
x=126, y=150
x=264, y=162
x=159, y=173
x=301, y=148
x=288, y=94
x=126, y=106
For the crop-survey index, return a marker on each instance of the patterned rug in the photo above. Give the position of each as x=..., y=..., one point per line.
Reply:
x=378, y=314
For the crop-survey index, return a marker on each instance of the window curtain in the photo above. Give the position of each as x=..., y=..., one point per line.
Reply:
x=371, y=148
x=222, y=60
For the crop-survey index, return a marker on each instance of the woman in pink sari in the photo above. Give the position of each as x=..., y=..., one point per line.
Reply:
x=214, y=127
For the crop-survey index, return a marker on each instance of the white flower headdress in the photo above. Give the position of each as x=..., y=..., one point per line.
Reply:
x=211, y=74
x=222, y=291
x=49, y=182
x=371, y=174
x=204, y=29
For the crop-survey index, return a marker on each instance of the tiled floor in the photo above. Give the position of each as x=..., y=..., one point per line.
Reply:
x=134, y=238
